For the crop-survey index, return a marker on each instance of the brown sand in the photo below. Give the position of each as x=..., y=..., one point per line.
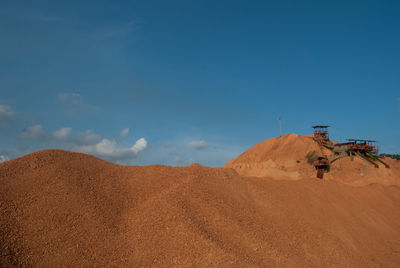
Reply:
x=59, y=208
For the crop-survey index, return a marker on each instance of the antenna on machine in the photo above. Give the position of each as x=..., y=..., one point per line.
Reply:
x=280, y=125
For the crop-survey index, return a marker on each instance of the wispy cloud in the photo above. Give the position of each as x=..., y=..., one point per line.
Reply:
x=87, y=137
x=124, y=132
x=73, y=102
x=197, y=145
x=35, y=132
x=62, y=133
x=6, y=114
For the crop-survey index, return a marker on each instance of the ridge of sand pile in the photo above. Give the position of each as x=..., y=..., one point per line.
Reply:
x=67, y=209
x=276, y=157
x=286, y=158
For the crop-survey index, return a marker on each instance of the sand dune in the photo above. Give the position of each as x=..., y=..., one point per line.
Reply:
x=59, y=208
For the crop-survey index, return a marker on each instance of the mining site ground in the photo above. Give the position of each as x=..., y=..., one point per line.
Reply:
x=262, y=209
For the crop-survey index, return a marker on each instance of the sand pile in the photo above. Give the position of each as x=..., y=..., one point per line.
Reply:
x=67, y=209
x=283, y=157
x=287, y=157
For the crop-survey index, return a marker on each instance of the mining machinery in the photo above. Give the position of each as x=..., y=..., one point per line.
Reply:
x=322, y=164
x=367, y=150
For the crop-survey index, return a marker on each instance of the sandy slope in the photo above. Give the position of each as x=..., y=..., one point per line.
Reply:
x=59, y=208
x=285, y=158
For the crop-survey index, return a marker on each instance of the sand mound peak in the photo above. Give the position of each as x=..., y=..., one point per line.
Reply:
x=281, y=157
x=287, y=157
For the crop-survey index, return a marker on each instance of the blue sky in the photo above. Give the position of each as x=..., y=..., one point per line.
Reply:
x=177, y=82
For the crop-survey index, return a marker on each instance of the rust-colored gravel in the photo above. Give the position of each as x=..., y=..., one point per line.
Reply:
x=63, y=209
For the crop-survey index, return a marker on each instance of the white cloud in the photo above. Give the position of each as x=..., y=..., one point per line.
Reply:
x=124, y=132
x=62, y=133
x=3, y=158
x=6, y=112
x=104, y=148
x=88, y=137
x=110, y=148
x=35, y=132
x=198, y=145
x=140, y=145
x=85, y=142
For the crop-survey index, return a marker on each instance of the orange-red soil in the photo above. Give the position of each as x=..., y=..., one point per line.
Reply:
x=285, y=158
x=59, y=208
